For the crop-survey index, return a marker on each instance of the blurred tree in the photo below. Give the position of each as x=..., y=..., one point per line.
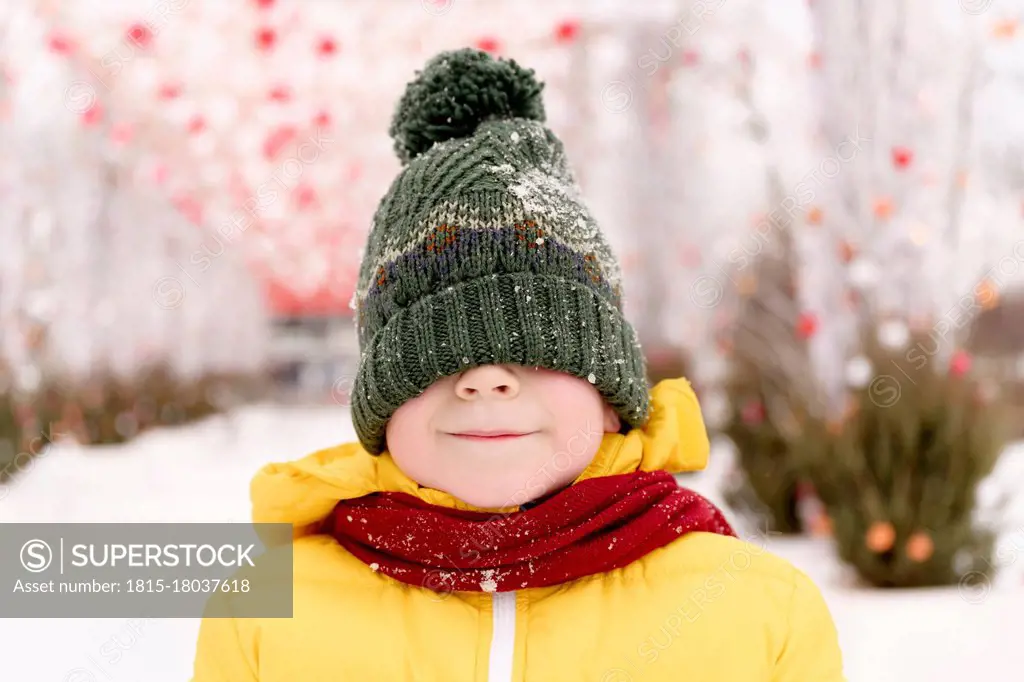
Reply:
x=93, y=295
x=763, y=337
x=908, y=225
x=899, y=472
x=651, y=169
x=910, y=220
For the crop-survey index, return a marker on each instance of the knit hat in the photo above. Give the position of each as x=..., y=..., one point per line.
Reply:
x=482, y=251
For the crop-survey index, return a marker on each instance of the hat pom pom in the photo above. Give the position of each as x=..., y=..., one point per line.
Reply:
x=456, y=92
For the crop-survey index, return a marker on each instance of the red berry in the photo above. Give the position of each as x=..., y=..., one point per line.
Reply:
x=94, y=114
x=305, y=196
x=691, y=57
x=265, y=38
x=280, y=93
x=264, y=4
x=753, y=413
x=169, y=90
x=327, y=47
x=189, y=207
x=488, y=44
x=322, y=119
x=806, y=325
x=61, y=44
x=902, y=157
x=121, y=133
x=140, y=34
x=960, y=363
x=196, y=125
x=567, y=31
x=277, y=140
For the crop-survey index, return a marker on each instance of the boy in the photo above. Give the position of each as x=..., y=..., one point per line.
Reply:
x=509, y=512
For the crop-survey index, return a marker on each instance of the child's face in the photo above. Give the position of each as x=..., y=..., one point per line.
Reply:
x=500, y=435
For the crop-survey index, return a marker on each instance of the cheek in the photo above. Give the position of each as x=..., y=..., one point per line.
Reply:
x=416, y=416
x=578, y=438
x=578, y=411
x=410, y=437
x=570, y=398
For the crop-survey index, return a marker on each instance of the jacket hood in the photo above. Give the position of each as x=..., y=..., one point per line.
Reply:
x=303, y=492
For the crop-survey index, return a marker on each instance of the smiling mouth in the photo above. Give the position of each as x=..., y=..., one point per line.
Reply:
x=490, y=436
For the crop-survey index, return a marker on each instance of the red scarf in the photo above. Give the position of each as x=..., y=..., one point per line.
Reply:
x=594, y=526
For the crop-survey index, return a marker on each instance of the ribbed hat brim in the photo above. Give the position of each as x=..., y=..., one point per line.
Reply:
x=511, y=318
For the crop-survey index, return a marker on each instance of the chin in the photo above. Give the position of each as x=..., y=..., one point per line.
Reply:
x=495, y=456
x=487, y=501
x=501, y=494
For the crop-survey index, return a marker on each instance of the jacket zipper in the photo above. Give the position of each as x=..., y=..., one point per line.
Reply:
x=503, y=637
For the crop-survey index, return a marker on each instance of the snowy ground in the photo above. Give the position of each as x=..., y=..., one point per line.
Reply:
x=201, y=473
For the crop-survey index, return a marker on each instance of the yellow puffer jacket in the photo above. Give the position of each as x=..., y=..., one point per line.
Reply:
x=706, y=608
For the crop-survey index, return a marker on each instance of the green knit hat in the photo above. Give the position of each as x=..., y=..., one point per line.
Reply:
x=482, y=251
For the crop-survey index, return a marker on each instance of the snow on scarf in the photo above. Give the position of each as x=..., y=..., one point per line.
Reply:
x=594, y=526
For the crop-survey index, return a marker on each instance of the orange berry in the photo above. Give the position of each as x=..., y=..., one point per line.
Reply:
x=822, y=526
x=881, y=536
x=920, y=547
x=883, y=207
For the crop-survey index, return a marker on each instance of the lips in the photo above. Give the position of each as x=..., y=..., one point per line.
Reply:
x=490, y=436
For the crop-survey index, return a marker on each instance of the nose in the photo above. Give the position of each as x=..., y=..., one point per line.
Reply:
x=488, y=381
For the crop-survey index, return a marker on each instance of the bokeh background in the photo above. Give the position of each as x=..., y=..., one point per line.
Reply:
x=818, y=206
